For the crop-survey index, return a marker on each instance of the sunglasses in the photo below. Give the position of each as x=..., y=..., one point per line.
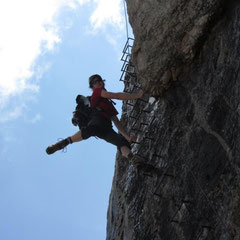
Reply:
x=95, y=81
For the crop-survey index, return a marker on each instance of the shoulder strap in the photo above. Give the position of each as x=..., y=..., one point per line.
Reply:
x=112, y=101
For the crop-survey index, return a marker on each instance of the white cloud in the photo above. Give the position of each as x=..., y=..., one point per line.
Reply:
x=107, y=12
x=108, y=18
x=25, y=27
x=28, y=28
x=12, y=114
x=36, y=118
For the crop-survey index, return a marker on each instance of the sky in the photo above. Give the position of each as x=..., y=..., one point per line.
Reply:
x=48, y=49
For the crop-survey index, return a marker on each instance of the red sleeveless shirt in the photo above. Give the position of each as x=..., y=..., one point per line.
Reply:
x=108, y=110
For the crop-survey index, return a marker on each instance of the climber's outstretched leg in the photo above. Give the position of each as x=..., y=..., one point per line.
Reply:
x=63, y=143
x=77, y=137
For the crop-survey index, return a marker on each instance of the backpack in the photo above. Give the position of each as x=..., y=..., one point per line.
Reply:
x=83, y=112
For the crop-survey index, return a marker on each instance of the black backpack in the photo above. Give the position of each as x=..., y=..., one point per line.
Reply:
x=83, y=112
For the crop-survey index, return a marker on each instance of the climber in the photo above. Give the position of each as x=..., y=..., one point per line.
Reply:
x=100, y=125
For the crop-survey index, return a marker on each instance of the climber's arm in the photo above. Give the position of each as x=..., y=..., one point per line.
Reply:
x=121, y=95
x=120, y=128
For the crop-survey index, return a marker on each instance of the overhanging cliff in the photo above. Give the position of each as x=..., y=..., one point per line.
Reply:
x=187, y=54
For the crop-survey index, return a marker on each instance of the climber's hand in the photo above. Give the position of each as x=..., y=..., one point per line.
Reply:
x=140, y=93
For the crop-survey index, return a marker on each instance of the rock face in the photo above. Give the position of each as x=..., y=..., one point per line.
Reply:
x=168, y=35
x=187, y=53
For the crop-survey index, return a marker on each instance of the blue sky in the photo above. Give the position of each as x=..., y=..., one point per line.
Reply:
x=49, y=49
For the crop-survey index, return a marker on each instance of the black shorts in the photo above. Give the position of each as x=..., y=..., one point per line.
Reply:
x=101, y=127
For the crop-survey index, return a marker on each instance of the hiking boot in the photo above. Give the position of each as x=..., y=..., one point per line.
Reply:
x=58, y=146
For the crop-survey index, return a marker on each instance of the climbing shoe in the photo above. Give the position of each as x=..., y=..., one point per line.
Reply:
x=136, y=160
x=58, y=146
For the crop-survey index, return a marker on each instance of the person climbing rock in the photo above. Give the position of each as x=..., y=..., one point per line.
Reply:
x=100, y=124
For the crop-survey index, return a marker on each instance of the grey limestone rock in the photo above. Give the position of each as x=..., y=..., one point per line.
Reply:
x=187, y=54
x=168, y=35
